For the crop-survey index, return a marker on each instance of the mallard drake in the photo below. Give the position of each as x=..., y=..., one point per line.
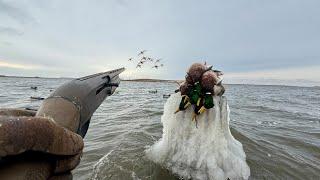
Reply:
x=184, y=104
x=207, y=103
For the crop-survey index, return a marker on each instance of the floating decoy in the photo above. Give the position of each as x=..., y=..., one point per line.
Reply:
x=166, y=95
x=153, y=91
x=36, y=98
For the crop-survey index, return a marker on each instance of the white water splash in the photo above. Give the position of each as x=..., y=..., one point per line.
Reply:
x=99, y=165
x=206, y=152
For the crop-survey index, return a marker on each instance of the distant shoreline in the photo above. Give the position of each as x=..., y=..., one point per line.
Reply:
x=20, y=76
x=133, y=80
x=151, y=80
x=161, y=81
x=36, y=77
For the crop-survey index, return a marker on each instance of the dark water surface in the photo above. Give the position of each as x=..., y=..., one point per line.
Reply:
x=279, y=127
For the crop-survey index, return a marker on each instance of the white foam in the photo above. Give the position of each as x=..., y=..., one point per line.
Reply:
x=206, y=152
x=99, y=165
x=134, y=176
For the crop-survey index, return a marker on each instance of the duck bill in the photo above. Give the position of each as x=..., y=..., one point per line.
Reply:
x=72, y=104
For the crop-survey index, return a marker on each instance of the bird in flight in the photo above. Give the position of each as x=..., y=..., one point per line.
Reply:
x=141, y=61
x=157, y=66
x=142, y=52
x=143, y=58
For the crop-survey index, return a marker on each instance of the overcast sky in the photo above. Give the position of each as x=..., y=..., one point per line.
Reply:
x=247, y=39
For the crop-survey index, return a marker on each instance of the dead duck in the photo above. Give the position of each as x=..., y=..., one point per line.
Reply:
x=195, y=72
x=207, y=103
x=184, y=104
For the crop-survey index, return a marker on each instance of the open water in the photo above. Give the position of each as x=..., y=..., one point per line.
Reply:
x=278, y=126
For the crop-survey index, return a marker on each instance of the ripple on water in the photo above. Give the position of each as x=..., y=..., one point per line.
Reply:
x=129, y=121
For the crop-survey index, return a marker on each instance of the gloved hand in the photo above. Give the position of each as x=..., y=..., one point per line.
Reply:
x=48, y=144
x=55, y=149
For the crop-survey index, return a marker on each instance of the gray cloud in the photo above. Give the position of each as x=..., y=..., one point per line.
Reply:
x=6, y=43
x=15, y=13
x=10, y=31
x=234, y=36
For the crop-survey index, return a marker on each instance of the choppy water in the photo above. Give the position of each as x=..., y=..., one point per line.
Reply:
x=279, y=127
